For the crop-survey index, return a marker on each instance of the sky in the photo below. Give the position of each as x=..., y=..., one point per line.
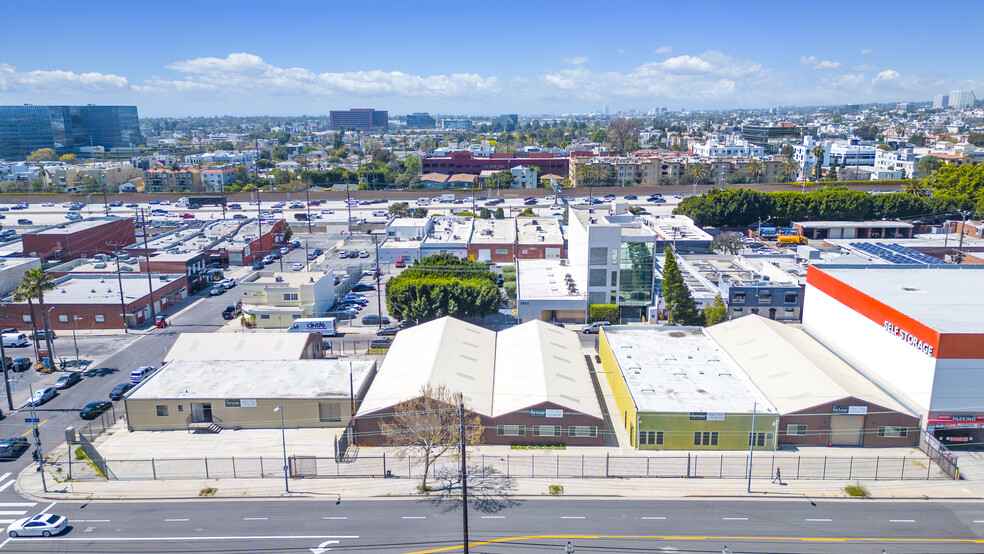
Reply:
x=214, y=57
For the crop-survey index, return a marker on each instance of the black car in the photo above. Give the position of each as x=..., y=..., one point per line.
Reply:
x=21, y=364
x=231, y=312
x=93, y=409
x=631, y=197
x=387, y=331
x=119, y=390
x=381, y=342
x=12, y=448
x=39, y=334
x=68, y=380
x=257, y=265
x=362, y=287
x=531, y=202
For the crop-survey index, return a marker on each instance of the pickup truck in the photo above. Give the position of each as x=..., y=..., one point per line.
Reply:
x=232, y=312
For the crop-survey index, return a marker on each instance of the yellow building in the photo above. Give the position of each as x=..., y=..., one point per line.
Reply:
x=274, y=299
x=676, y=389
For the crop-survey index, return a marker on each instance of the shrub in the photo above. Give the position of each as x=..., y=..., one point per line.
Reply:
x=857, y=490
x=208, y=491
x=510, y=288
x=603, y=312
x=555, y=489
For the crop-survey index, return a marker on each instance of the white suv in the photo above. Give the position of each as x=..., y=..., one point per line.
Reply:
x=595, y=327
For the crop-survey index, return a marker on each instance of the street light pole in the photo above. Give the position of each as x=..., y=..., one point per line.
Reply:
x=37, y=438
x=75, y=339
x=283, y=436
x=6, y=376
x=751, y=446
x=464, y=472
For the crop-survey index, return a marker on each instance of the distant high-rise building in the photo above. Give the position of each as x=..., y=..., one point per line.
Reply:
x=941, y=101
x=364, y=119
x=506, y=119
x=962, y=99
x=421, y=120
x=456, y=124
x=66, y=129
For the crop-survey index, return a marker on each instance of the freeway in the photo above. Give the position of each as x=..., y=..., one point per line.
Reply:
x=591, y=525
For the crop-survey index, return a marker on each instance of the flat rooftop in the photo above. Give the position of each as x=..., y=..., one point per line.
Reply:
x=286, y=278
x=180, y=256
x=239, y=346
x=494, y=231
x=948, y=299
x=99, y=289
x=79, y=226
x=682, y=370
x=854, y=224
x=409, y=222
x=450, y=230
x=247, y=379
x=676, y=227
x=539, y=230
x=547, y=279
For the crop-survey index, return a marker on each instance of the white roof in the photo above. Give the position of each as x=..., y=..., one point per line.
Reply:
x=103, y=289
x=539, y=230
x=244, y=379
x=494, y=231
x=239, y=346
x=794, y=370
x=879, y=224
x=538, y=362
x=78, y=226
x=547, y=279
x=680, y=369
x=946, y=298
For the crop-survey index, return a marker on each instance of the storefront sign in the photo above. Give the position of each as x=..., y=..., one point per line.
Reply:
x=909, y=338
x=232, y=403
x=240, y=403
x=957, y=439
x=698, y=416
x=538, y=412
x=555, y=414
x=849, y=410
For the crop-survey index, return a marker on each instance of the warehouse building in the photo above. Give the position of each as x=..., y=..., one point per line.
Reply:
x=211, y=395
x=528, y=385
x=821, y=399
x=676, y=389
x=917, y=330
x=79, y=239
x=246, y=346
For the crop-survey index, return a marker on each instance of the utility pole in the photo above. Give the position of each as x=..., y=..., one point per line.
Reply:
x=150, y=281
x=259, y=222
x=6, y=376
x=464, y=472
x=119, y=279
x=348, y=204
x=379, y=293
x=751, y=446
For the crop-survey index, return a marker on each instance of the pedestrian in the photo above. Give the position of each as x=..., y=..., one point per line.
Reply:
x=778, y=476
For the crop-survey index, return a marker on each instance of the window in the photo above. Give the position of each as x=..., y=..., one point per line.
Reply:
x=290, y=296
x=511, y=430
x=598, y=256
x=797, y=429
x=162, y=410
x=759, y=439
x=614, y=256
x=596, y=277
x=264, y=316
x=791, y=298
x=705, y=438
x=765, y=297
x=181, y=407
x=547, y=430
x=614, y=280
x=63, y=318
x=100, y=318
x=26, y=318
x=737, y=311
x=892, y=431
x=650, y=437
x=329, y=411
x=738, y=297
x=582, y=431
x=501, y=251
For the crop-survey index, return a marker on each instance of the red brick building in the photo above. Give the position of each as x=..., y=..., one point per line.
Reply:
x=466, y=162
x=84, y=238
x=247, y=246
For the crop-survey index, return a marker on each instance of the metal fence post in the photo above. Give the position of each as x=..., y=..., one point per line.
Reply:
x=850, y=468
x=824, y=476
x=262, y=474
x=234, y=475
x=558, y=467
x=607, y=462
x=721, y=468
x=688, y=465
x=798, y=459
x=902, y=476
x=582, y=466
x=384, y=464
x=206, y=467
x=877, y=461
x=929, y=466
x=153, y=468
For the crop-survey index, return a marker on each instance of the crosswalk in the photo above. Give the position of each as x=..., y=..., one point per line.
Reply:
x=12, y=511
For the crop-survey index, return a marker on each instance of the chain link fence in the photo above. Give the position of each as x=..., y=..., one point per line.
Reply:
x=689, y=466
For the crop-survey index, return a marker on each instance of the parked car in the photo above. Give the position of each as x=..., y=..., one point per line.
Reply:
x=41, y=525
x=119, y=390
x=257, y=265
x=362, y=287
x=13, y=447
x=232, y=312
x=388, y=331
x=217, y=290
x=373, y=319
x=229, y=283
x=363, y=254
x=92, y=410
x=25, y=222
x=68, y=380
x=595, y=327
x=14, y=339
x=21, y=364
x=312, y=256
x=284, y=250
x=268, y=259
x=141, y=373
x=297, y=266
x=42, y=396
x=381, y=342
x=39, y=334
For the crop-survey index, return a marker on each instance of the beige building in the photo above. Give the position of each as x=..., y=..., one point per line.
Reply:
x=274, y=299
x=246, y=346
x=110, y=175
x=211, y=395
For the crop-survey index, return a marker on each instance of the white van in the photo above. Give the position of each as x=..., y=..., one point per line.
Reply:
x=141, y=373
x=14, y=339
x=423, y=201
x=324, y=325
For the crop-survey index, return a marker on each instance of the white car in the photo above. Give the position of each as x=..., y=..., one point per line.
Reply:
x=327, y=211
x=41, y=525
x=48, y=205
x=297, y=267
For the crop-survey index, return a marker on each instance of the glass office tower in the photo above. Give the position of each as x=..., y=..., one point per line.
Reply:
x=66, y=129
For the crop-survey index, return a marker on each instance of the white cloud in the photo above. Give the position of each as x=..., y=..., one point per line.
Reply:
x=686, y=64
x=58, y=81
x=663, y=50
x=887, y=75
x=245, y=72
x=576, y=60
x=817, y=63
x=866, y=51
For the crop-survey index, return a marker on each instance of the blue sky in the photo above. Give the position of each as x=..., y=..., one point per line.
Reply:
x=307, y=57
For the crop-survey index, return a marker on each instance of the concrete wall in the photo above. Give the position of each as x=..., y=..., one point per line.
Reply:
x=142, y=414
x=818, y=419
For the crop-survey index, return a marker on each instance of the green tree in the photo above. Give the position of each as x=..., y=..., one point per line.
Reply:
x=90, y=185
x=399, y=209
x=410, y=176
x=43, y=155
x=728, y=243
x=242, y=174
x=499, y=214
x=679, y=303
x=34, y=283
x=419, y=212
x=755, y=169
x=699, y=172
x=599, y=136
x=484, y=213
x=786, y=150
x=500, y=180
x=604, y=312
x=67, y=158
x=818, y=168
x=528, y=212
x=716, y=312
x=789, y=169
x=928, y=165
x=442, y=285
x=20, y=294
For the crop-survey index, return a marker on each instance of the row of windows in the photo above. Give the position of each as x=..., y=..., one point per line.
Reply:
x=765, y=297
x=546, y=431
x=889, y=431
x=99, y=318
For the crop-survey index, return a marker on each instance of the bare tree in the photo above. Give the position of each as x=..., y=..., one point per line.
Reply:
x=428, y=427
x=728, y=242
x=623, y=135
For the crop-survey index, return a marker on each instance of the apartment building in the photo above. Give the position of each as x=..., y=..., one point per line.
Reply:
x=274, y=299
x=215, y=179
x=162, y=179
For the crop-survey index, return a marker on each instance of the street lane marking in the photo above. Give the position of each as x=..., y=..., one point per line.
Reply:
x=571, y=517
x=7, y=520
x=92, y=520
x=901, y=521
x=808, y=519
x=979, y=521
x=653, y=517
x=177, y=519
x=255, y=518
x=32, y=428
x=6, y=485
x=735, y=518
x=414, y=517
x=4, y=476
x=14, y=513
x=151, y=539
x=17, y=504
x=335, y=517
x=493, y=517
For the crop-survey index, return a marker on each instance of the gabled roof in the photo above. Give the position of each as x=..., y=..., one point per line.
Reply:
x=239, y=346
x=434, y=177
x=794, y=370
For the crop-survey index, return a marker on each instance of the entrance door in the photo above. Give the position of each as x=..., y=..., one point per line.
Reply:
x=201, y=412
x=845, y=430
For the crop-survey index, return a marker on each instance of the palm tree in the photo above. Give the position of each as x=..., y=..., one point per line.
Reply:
x=755, y=170
x=34, y=283
x=818, y=154
x=20, y=295
x=699, y=171
x=789, y=169
x=915, y=187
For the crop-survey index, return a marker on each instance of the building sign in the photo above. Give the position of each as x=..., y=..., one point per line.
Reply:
x=538, y=412
x=555, y=414
x=698, y=416
x=715, y=416
x=909, y=338
x=234, y=403
x=849, y=410
x=248, y=402
x=240, y=403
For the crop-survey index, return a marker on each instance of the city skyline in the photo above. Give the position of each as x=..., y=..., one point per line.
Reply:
x=246, y=59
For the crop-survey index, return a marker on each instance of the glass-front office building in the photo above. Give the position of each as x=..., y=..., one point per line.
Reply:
x=66, y=129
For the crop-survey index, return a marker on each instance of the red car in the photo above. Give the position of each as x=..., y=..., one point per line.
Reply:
x=186, y=216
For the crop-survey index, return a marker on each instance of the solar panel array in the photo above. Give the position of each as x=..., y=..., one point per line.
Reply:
x=896, y=254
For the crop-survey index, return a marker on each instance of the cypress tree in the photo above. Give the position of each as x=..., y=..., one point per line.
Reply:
x=679, y=302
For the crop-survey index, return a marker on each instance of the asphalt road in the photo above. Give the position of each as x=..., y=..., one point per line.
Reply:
x=528, y=526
